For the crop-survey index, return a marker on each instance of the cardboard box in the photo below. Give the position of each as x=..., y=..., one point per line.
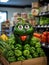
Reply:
x=35, y=5
x=35, y=61
x=35, y=12
x=16, y=63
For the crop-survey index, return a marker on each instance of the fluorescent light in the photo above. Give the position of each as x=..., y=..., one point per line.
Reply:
x=3, y=0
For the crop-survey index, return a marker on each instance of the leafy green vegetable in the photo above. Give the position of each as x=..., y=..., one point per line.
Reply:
x=29, y=57
x=18, y=47
x=42, y=54
x=12, y=46
x=32, y=50
x=38, y=50
x=35, y=55
x=33, y=41
x=10, y=53
x=12, y=59
x=21, y=58
x=26, y=52
x=44, y=21
x=11, y=39
x=38, y=45
x=26, y=47
x=18, y=53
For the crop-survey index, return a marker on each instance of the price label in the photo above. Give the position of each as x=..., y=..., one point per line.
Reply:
x=42, y=26
x=38, y=25
x=48, y=46
x=43, y=44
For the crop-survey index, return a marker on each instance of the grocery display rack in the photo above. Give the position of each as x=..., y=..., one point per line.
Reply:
x=43, y=14
x=41, y=28
x=43, y=1
x=45, y=45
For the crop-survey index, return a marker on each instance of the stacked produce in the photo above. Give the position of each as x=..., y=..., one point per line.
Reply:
x=22, y=45
x=44, y=21
x=44, y=37
x=4, y=37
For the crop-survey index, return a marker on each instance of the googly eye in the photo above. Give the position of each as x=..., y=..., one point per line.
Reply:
x=26, y=26
x=20, y=27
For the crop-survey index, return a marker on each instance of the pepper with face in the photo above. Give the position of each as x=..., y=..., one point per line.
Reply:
x=23, y=32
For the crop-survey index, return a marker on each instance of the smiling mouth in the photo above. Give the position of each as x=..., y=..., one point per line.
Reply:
x=23, y=37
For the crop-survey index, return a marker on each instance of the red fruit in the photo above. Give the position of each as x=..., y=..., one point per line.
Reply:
x=45, y=33
x=43, y=38
x=48, y=33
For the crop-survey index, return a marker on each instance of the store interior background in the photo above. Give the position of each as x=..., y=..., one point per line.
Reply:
x=16, y=6
x=20, y=6
x=12, y=10
x=13, y=6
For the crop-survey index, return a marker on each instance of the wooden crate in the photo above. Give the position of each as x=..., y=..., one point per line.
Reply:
x=16, y=63
x=35, y=61
x=35, y=5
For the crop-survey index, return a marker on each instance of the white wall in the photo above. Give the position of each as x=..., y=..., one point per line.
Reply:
x=27, y=10
x=12, y=10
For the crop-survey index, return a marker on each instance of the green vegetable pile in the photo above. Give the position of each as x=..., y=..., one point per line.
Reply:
x=17, y=52
x=44, y=21
x=21, y=45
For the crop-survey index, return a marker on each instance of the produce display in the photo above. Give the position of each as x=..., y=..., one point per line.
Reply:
x=44, y=37
x=44, y=21
x=4, y=37
x=21, y=45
